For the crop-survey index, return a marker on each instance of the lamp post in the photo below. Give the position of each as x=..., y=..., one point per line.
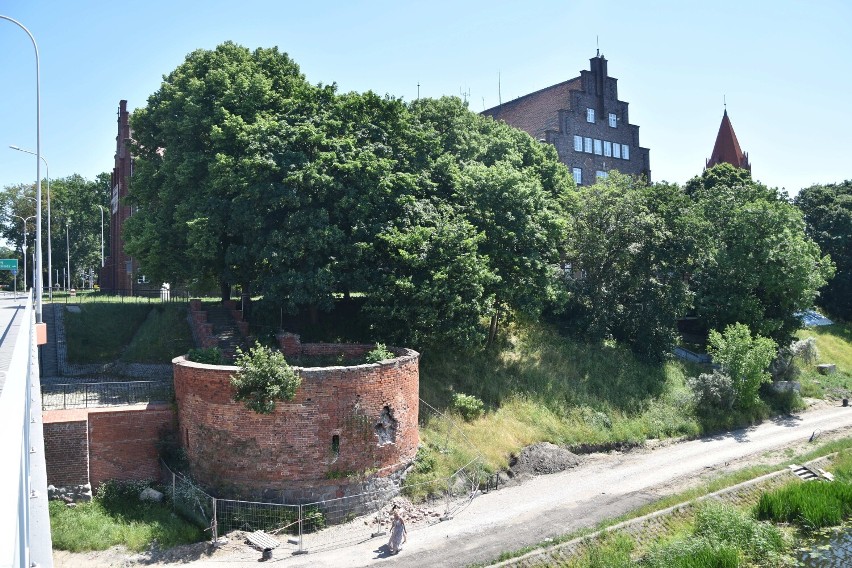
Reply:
x=49, y=238
x=24, y=245
x=38, y=286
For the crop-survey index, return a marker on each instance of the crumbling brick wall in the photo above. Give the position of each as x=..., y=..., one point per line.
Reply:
x=66, y=448
x=343, y=420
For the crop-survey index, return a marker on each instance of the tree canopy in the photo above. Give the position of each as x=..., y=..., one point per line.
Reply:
x=762, y=267
x=248, y=174
x=828, y=217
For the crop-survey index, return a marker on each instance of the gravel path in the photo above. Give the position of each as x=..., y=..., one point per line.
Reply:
x=603, y=487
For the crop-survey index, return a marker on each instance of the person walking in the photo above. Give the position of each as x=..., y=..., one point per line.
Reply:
x=398, y=534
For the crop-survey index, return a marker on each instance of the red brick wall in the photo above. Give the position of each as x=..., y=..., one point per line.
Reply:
x=235, y=450
x=66, y=450
x=123, y=442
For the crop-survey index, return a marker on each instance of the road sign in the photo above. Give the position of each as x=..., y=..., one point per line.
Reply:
x=8, y=263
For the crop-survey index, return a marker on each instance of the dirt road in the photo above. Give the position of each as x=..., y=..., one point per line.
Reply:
x=605, y=486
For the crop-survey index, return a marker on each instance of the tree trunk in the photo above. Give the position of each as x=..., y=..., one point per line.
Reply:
x=245, y=300
x=313, y=314
x=225, y=288
x=492, y=329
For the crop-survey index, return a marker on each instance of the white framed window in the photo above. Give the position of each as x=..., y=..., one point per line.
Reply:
x=598, y=147
x=613, y=120
x=625, y=152
x=601, y=174
x=607, y=149
x=578, y=175
x=587, y=145
x=578, y=143
x=590, y=115
x=616, y=150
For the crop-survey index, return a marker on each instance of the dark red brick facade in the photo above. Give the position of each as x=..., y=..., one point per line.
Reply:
x=584, y=110
x=97, y=444
x=66, y=449
x=342, y=421
x=119, y=269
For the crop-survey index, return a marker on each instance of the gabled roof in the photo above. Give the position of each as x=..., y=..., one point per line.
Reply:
x=539, y=111
x=727, y=147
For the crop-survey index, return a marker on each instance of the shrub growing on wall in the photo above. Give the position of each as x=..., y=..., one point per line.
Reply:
x=264, y=377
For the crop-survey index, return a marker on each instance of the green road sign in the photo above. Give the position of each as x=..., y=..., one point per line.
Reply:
x=8, y=264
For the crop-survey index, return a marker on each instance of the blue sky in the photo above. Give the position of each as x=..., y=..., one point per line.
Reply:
x=783, y=66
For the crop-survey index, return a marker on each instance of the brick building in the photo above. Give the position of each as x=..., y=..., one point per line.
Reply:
x=727, y=147
x=585, y=121
x=119, y=269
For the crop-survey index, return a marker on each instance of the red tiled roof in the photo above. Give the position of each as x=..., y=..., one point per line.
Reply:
x=727, y=147
x=537, y=112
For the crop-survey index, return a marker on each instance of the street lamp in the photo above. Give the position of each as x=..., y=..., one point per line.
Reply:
x=49, y=238
x=24, y=245
x=38, y=286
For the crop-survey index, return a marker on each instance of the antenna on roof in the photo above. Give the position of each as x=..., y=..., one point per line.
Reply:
x=499, y=96
x=725, y=103
x=598, y=45
x=418, y=90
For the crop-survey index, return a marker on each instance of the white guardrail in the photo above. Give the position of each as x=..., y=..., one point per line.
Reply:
x=18, y=495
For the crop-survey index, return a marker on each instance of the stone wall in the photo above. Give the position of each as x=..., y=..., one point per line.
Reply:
x=344, y=422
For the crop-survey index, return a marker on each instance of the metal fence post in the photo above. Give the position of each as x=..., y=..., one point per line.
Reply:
x=301, y=549
x=447, y=516
x=215, y=526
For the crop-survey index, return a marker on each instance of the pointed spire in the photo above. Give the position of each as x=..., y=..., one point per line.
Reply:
x=727, y=147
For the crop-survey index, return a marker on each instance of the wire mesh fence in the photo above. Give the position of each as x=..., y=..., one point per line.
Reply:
x=336, y=522
x=190, y=501
x=90, y=395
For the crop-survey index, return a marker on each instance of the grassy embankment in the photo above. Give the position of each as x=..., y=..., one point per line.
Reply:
x=116, y=516
x=537, y=386
x=134, y=333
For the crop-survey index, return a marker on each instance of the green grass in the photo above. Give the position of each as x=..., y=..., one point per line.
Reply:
x=809, y=505
x=834, y=343
x=132, y=332
x=100, y=331
x=125, y=520
x=163, y=335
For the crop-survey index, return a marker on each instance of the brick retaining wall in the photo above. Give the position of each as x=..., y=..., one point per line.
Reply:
x=96, y=444
x=342, y=421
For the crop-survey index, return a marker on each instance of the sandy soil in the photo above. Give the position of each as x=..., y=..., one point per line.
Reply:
x=586, y=490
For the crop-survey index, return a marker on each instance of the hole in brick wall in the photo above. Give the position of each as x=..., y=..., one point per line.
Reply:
x=335, y=447
x=386, y=427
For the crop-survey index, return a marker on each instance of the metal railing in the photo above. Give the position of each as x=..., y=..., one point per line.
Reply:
x=24, y=524
x=92, y=395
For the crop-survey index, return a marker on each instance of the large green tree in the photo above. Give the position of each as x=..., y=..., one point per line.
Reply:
x=762, y=267
x=828, y=217
x=632, y=249
x=221, y=148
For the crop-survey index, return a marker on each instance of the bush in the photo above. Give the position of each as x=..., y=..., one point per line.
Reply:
x=208, y=355
x=468, y=406
x=723, y=537
x=378, y=354
x=712, y=391
x=743, y=358
x=263, y=378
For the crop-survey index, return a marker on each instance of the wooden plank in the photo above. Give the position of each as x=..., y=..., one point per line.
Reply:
x=262, y=540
